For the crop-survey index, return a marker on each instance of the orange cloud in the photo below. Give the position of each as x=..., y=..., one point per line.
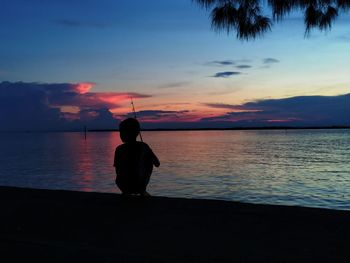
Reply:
x=83, y=87
x=80, y=97
x=115, y=98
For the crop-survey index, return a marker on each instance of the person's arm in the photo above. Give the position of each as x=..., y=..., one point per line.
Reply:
x=115, y=163
x=155, y=159
x=151, y=156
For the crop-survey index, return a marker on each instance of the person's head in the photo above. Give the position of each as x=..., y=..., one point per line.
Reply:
x=129, y=129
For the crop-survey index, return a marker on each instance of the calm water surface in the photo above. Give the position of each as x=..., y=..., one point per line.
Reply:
x=303, y=167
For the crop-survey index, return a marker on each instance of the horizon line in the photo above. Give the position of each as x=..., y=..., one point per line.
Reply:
x=333, y=127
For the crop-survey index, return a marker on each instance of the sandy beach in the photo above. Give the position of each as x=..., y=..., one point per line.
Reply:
x=66, y=226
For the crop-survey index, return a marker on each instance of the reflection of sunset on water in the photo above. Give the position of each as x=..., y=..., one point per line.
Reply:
x=83, y=155
x=84, y=166
x=293, y=167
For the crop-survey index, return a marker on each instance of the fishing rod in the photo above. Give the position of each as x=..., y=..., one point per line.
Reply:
x=133, y=109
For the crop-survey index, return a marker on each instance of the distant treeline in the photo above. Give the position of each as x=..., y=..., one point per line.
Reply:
x=236, y=128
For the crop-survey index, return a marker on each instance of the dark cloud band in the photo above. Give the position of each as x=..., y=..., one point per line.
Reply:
x=295, y=111
x=41, y=106
x=226, y=74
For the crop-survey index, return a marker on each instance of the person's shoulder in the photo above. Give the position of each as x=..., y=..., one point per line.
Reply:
x=120, y=147
x=144, y=145
x=131, y=146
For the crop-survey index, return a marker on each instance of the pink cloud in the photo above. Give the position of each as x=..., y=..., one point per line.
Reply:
x=45, y=106
x=159, y=116
x=83, y=87
x=79, y=95
x=115, y=98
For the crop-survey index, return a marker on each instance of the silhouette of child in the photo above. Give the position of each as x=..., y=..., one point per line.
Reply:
x=133, y=160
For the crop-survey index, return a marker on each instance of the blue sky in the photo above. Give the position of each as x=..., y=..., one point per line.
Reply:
x=165, y=51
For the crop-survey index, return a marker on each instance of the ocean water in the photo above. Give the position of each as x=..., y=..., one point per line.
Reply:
x=294, y=167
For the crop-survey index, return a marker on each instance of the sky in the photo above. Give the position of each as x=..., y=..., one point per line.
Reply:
x=67, y=64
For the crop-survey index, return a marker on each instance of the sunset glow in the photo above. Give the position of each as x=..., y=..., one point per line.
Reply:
x=179, y=73
x=83, y=88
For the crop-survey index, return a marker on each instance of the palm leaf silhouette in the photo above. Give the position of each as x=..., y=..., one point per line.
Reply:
x=247, y=19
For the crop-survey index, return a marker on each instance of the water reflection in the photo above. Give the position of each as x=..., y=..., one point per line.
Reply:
x=83, y=167
x=309, y=168
x=94, y=170
x=258, y=166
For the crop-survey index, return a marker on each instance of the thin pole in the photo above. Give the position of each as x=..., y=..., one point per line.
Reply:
x=133, y=109
x=85, y=132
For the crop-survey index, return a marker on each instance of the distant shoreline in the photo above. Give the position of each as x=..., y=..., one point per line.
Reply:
x=236, y=129
x=198, y=129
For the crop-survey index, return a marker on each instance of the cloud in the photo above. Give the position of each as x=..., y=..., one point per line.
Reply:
x=270, y=61
x=67, y=106
x=75, y=23
x=222, y=63
x=243, y=66
x=158, y=115
x=294, y=111
x=166, y=105
x=229, y=62
x=221, y=106
x=174, y=84
x=226, y=74
x=42, y=106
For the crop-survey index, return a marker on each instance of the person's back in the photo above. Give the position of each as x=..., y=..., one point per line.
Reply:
x=133, y=160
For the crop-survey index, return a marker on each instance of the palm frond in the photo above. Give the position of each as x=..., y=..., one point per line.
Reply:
x=251, y=29
x=208, y=3
x=316, y=17
x=280, y=8
x=247, y=19
x=224, y=17
x=343, y=4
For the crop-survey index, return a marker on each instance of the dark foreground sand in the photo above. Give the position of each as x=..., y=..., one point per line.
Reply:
x=62, y=226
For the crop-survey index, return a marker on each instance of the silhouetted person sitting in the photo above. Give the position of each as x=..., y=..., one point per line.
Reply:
x=133, y=160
